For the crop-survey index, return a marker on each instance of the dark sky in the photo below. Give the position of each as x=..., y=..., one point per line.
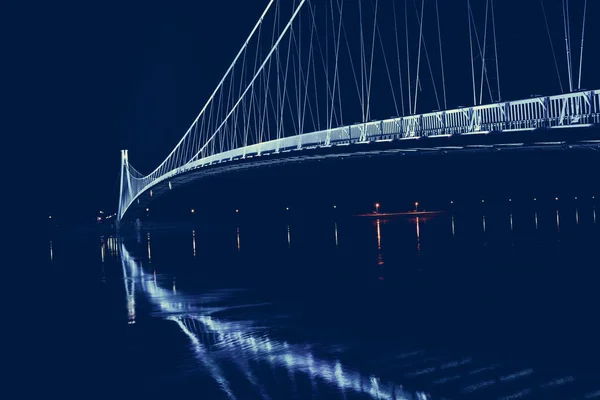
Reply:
x=91, y=78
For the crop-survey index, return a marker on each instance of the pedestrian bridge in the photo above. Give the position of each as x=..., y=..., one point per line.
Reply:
x=262, y=114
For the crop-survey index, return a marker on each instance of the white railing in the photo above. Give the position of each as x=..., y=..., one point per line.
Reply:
x=580, y=108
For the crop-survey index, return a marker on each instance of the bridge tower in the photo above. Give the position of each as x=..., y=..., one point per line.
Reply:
x=125, y=186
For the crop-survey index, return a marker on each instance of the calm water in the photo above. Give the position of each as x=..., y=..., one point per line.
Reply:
x=498, y=302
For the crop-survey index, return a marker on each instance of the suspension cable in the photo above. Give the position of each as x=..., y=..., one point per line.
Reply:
x=387, y=68
x=336, y=77
x=487, y=79
x=260, y=20
x=552, y=47
x=471, y=45
x=419, y=55
x=371, y=67
x=437, y=13
x=483, y=71
x=437, y=99
x=362, y=63
x=581, y=51
x=565, y=4
x=496, y=52
x=407, y=57
x=398, y=56
x=285, y=29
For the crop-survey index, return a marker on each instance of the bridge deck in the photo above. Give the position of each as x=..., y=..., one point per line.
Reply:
x=573, y=139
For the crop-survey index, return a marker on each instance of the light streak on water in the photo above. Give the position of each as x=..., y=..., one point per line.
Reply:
x=51, y=253
x=193, y=241
x=558, y=382
x=517, y=375
x=592, y=395
x=378, y=234
x=335, y=231
x=517, y=395
x=418, y=238
x=289, y=241
x=149, y=253
x=238, y=237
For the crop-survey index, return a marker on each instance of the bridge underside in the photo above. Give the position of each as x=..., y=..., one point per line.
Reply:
x=563, y=139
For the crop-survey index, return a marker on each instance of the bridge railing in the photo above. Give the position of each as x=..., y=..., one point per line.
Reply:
x=579, y=108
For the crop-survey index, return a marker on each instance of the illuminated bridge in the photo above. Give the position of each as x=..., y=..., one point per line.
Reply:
x=308, y=65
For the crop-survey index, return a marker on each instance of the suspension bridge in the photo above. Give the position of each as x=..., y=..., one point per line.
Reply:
x=308, y=66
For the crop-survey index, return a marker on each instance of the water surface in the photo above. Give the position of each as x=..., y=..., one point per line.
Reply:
x=496, y=302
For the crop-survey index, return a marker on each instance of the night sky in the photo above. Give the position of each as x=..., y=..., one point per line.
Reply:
x=91, y=78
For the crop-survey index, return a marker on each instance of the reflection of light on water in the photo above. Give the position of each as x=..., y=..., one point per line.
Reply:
x=238, y=237
x=418, y=238
x=288, y=236
x=558, y=382
x=149, y=253
x=238, y=340
x=102, y=250
x=594, y=214
x=418, y=230
x=245, y=346
x=51, y=253
x=128, y=279
x=203, y=355
x=483, y=219
x=536, y=222
x=453, y=225
x=379, y=255
x=577, y=216
x=216, y=341
x=193, y=239
x=131, y=309
x=557, y=221
x=335, y=233
x=174, y=288
x=511, y=222
x=111, y=246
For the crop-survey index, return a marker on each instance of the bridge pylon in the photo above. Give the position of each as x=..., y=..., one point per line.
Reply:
x=125, y=186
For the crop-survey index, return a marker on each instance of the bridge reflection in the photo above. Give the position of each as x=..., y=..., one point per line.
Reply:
x=215, y=339
x=220, y=343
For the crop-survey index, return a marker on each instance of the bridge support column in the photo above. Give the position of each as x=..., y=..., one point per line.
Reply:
x=124, y=173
